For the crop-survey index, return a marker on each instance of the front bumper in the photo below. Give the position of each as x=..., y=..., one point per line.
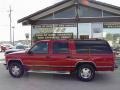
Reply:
x=6, y=66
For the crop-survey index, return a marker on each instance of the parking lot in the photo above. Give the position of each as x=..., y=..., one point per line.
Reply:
x=43, y=81
x=2, y=56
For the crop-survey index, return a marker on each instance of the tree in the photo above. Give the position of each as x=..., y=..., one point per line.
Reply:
x=109, y=37
x=35, y=38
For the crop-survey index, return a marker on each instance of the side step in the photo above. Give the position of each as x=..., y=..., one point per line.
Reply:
x=50, y=72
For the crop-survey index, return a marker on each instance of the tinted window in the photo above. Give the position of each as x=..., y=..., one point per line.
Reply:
x=82, y=48
x=60, y=47
x=40, y=48
x=89, y=12
x=93, y=47
x=67, y=13
x=48, y=17
x=105, y=13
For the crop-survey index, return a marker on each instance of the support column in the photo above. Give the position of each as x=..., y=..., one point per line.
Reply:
x=77, y=15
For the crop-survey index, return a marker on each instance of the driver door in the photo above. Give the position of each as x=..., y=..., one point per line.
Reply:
x=37, y=57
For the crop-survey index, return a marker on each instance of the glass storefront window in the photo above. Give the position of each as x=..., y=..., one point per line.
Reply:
x=84, y=29
x=47, y=17
x=69, y=29
x=89, y=12
x=105, y=13
x=67, y=13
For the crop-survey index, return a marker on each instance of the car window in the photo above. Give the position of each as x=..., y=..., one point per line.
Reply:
x=60, y=47
x=100, y=49
x=20, y=47
x=92, y=47
x=40, y=48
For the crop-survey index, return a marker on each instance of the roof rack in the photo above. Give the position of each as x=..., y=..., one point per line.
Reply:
x=71, y=39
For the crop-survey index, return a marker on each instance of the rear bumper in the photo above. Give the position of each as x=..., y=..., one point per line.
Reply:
x=107, y=68
x=115, y=66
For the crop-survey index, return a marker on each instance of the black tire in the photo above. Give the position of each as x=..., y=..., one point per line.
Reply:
x=85, y=72
x=19, y=69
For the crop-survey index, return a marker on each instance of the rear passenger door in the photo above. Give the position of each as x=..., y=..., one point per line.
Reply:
x=82, y=51
x=61, y=55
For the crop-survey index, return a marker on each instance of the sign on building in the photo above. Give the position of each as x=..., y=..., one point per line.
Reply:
x=111, y=25
x=48, y=36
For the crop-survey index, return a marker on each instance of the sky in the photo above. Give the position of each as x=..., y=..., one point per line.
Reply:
x=22, y=8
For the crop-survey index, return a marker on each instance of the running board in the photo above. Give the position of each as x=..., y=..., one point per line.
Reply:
x=50, y=72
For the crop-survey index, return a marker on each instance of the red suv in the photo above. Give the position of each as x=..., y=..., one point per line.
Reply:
x=81, y=56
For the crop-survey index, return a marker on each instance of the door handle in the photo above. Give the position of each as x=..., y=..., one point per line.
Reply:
x=47, y=56
x=68, y=57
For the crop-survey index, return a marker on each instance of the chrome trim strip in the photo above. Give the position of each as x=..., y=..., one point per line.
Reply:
x=50, y=66
x=64, y=66
x=104, y=66
x=85, y=62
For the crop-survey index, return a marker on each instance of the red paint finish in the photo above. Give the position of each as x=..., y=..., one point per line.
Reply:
x=62, y=61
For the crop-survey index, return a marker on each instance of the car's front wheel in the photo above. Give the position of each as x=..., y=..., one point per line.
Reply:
x=16, y=70
x=85, y=72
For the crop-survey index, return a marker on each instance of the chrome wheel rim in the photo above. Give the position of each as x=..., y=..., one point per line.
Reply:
x=86, y=73
x=15, y=70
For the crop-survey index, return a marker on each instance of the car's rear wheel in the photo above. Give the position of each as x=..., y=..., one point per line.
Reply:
x=16, y=70
x=85, y=72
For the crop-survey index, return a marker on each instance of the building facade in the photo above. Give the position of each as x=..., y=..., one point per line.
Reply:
x=82, y=18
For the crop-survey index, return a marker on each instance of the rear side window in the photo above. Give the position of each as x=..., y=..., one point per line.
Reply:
x=96, y=47
x=60, y=47
x=80, y=48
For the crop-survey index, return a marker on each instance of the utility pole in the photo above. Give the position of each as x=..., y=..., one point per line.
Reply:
x=13, y=27
x=10, y=12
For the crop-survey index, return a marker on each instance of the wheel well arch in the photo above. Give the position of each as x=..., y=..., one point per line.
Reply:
x=89, y=63
x=14, y=61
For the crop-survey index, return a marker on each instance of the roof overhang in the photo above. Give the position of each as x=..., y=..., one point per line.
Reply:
x=79, y=20
x=48, y=10
x=34, y=18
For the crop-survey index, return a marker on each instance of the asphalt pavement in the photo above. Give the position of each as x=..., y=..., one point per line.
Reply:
x=43, y=81
x=49, y=81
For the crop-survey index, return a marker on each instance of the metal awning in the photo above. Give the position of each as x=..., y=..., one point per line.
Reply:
x=75, y=20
